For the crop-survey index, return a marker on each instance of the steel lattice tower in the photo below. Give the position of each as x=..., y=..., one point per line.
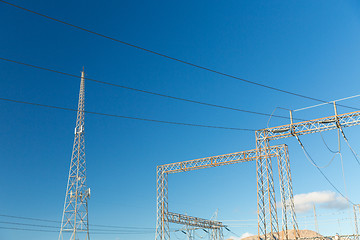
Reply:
x=75, y=214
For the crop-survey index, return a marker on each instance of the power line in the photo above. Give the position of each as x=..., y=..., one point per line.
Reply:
x=331, y=102
x=307, y=155
x=145, y=91
x=352, y=150
x=96, y=230
x=126, y=117
x=166, y=56
x=54, y=221
x=43, y=230
x=29, y=218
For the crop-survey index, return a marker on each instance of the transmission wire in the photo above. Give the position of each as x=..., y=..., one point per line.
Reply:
x=167, y=56
x=141, y=90
x=319, y=169
x=327, y=146
x=126, y=117
x=54, y=221
x=352, y=150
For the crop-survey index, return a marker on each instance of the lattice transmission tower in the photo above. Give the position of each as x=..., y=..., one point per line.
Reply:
x=74, y=221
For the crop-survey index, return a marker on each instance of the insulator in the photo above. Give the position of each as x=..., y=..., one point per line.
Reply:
x=280, y=130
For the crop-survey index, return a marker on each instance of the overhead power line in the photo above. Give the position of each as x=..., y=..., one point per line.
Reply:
x=43, y=230
x=122, y=228
x=330, y=102
x=126, y=117
x=307, y=155
x=166, y=56
x=145, y=91
x=92, y=229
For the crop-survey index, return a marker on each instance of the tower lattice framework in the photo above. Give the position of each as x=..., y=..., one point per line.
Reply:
x=75, y=215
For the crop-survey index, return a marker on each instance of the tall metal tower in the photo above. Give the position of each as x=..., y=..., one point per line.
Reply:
x=75, y=216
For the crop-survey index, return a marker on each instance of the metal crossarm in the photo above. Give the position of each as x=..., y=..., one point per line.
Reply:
x=311, y=126
x=193, y=221
x=226, y=159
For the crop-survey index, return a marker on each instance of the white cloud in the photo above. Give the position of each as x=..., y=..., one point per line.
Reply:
x=325, y=199
x=247, y=234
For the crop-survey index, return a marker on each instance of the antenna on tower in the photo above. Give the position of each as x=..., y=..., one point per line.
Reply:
x=75, y=215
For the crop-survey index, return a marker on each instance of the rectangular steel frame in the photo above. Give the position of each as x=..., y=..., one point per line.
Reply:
x=265, y=191
x=263, y=137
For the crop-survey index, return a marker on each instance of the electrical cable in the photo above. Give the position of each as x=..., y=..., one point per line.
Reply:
x=166, y=56
x=232, y=232
x=126, y=117
x=28, y=218
x=267, y=124
x=143, y=91
x=319, y=169
x=321, y=104
x=352, y=150
x=26, y=229
x=56, y=227
x=326, y=143
x=97, y=225
x=43, y=230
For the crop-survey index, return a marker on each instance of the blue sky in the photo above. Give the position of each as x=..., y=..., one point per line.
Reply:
x=307, y=47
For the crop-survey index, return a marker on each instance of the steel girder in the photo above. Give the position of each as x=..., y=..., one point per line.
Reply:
x=266, y=193
x=311, y=126
x=356, y=209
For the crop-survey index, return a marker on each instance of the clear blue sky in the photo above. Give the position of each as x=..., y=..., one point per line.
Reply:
x=308, y=47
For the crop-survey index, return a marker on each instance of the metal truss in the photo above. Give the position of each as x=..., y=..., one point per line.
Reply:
x=264, y=171
x=356, y=208
x=162, y=223
x=193, y=221
x=215, y=161
x=286, y=192
x=267, y=212
x=265, y=189
x=75, y=214
x=311, y=126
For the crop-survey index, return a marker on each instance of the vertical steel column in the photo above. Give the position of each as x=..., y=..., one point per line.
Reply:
x=356, y=222
x=261, y=209
x=286, y=192
x=267, y=212
x=162, y=224
x=216, y=234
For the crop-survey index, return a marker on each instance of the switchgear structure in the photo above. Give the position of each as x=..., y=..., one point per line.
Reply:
x=267, y=220
x=279, y=151
x=214, y=228
x=75, y=215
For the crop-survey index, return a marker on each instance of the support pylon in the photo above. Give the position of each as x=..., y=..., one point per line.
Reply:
x=162, y=224
x=267, y=212
x=287, y=197
x=75, y=215
x=356, y=208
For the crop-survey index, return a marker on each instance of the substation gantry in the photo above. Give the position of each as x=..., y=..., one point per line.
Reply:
x=164, y=217
x=268, y=226
x=267, y=220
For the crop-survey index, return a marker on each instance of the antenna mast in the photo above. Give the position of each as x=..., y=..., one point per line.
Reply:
x=75, y=214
